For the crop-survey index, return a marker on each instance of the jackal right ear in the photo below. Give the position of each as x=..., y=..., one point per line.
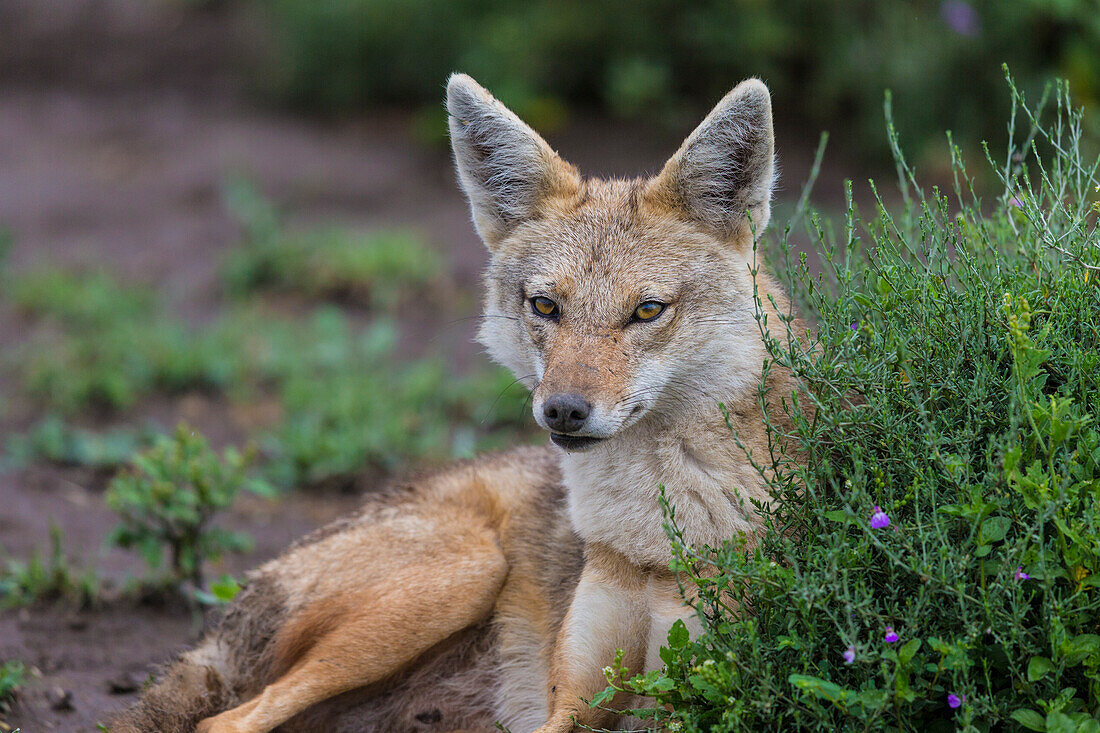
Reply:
x=505, y=168
x=723, y=174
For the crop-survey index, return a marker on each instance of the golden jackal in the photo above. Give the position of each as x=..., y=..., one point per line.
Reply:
x=499, y=589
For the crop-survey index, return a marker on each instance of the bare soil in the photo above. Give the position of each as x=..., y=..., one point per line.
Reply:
x=119, y=121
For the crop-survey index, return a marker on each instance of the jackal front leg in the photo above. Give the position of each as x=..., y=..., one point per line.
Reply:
x=608, y=613
x=366, y=634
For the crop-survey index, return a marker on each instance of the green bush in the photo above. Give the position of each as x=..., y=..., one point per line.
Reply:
x=827, y=60
x=169, y=498
x=377, y=268
x=933, y=561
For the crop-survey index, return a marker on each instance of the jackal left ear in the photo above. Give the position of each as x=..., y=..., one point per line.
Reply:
x=506, y=169
x=724, y=172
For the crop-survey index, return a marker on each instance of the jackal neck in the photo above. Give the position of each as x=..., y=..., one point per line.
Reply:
x=613, y=488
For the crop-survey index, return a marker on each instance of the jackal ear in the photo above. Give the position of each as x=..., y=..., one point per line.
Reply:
x=507, y=171
x=724, y=172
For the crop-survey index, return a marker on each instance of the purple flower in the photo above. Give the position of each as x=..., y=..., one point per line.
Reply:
x=890, y=637
x=879, y=519
x=1019, y=204
x=961, y=17
x=1020, y=574
x=954, y=701
x=854, y=327
x=849, y=655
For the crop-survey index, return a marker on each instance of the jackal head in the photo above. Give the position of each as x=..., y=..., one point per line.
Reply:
x=619, y=299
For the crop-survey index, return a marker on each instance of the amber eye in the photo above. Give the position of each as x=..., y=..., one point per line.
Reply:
x=544, y=307
x=648, y=310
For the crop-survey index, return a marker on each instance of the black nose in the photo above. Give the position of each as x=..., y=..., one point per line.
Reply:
x=565, y=412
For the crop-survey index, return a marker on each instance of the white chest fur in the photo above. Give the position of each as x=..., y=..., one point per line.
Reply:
x=613, y=491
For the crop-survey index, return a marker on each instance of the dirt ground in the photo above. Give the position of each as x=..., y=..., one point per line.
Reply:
x=119, y=120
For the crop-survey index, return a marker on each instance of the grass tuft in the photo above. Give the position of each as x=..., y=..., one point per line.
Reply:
x=47, y=580
x=13, y=674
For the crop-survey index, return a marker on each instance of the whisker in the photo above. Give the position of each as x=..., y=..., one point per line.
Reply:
x=446, y=325
x=529, y=398
x=678, y=388
x=479, y=316
x=489, y=412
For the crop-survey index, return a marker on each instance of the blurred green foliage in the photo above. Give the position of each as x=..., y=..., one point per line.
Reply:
x=345, y=400
x=57, y=441
x=13, y=674
x=827, y=61
x=102, y=346
x=5, y=248
x=378, y=268
x=347, y=405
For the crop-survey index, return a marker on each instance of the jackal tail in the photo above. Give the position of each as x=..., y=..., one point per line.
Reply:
x=229, y=666
x=185, y=694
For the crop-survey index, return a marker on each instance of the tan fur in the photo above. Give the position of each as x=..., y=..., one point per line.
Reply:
x=499, y=589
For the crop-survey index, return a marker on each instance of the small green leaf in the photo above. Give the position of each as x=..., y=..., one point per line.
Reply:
x=1060, y=723
x=906, y=653
x=678, y=636
x=602, y=696
x=150, y=549
x=994, y=529
x=1030, y=719
x=225, y=588
x=1037, y=668
x=819, y=688
x=262, y=488
x=1081, y=647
